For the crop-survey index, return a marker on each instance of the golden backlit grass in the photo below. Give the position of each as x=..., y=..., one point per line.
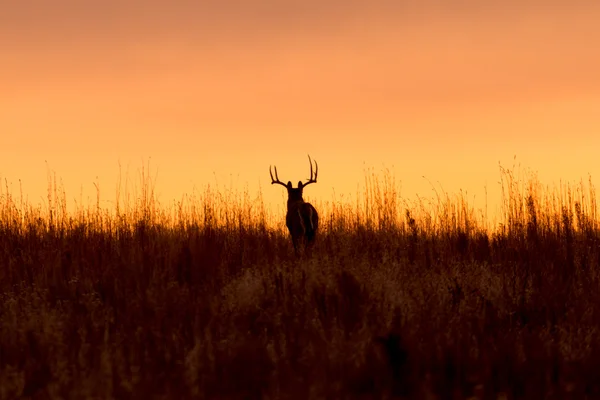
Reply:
x=205, y=299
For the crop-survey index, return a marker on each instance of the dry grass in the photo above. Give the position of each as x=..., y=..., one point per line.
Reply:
x=205, y=299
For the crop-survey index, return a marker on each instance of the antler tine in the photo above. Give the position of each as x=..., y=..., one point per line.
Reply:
x=276, y=180
x=312, y=179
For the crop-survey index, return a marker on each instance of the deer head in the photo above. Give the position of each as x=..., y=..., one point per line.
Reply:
x=295, y=194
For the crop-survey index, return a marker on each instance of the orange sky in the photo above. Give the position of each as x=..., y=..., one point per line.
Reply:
x=442, y=89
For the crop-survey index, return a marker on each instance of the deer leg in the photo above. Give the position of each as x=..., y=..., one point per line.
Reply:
x=296, y=250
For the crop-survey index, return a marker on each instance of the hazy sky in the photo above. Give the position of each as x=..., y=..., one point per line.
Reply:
x=222, y=89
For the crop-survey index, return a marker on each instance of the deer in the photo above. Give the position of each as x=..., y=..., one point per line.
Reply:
x=302, y=219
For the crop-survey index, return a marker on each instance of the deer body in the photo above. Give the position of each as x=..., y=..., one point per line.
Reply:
x=302, y=219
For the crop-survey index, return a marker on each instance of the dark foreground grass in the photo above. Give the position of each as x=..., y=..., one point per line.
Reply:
x=394, y=302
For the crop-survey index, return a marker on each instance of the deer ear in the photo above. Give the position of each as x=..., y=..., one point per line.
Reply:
x=289, y=184
x=300, y=184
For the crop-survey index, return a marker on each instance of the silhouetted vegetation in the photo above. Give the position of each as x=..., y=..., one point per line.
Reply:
x=205, y=299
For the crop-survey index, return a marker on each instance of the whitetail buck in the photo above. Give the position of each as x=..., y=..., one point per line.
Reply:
x=301, y=219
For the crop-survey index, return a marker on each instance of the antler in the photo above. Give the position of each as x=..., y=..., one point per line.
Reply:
x=312, y=180
x=276, y=179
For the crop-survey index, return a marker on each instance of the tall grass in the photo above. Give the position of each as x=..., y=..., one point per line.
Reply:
x=204, y=298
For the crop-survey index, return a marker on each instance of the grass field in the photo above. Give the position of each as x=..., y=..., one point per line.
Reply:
x=205, y=298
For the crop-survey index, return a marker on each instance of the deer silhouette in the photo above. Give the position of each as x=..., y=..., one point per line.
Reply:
x=302, y=219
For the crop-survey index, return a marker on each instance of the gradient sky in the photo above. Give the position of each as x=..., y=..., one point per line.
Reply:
x=219, y=90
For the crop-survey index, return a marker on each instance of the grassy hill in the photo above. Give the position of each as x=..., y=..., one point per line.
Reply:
x=207, y=300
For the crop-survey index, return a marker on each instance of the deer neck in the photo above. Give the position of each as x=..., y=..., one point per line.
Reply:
x=294, y=203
